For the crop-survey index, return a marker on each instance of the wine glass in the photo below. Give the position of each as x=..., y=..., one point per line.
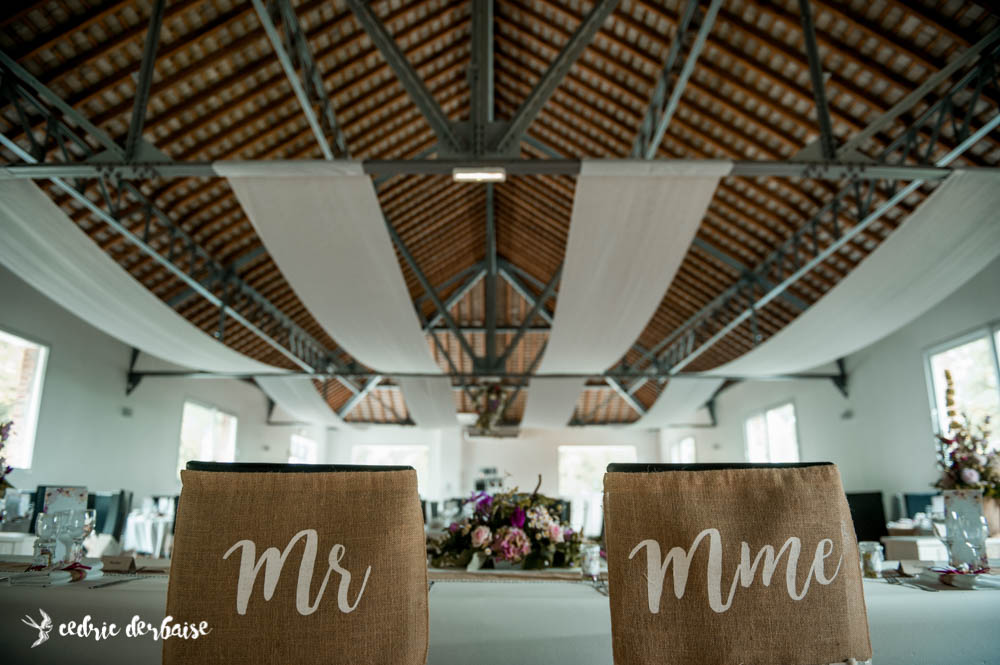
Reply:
x=79, y=525
x=63, y=533
x=45, y=541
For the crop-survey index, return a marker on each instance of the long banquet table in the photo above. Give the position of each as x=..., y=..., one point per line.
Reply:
x=503, y=622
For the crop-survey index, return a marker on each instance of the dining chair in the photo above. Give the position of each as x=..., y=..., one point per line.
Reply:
x=732, y=563
x=917, y=502
x=868, y=514
x=290, y=563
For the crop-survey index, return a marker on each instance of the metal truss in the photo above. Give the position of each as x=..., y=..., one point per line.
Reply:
x=297, y=61
x=861, y=202
x=128, y=211
x=662, y=106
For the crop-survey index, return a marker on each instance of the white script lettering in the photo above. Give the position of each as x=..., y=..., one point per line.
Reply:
x=272, y=562
x=656, y=568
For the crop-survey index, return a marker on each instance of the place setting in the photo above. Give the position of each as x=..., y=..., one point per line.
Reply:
x=535, y=332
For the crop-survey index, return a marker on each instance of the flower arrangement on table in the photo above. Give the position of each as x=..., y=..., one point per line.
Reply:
x=508, y=528
x=5, y=431
x=964, y=454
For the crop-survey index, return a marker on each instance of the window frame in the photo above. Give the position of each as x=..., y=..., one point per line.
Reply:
x=990, y=330
x=763, y=412
x=587, y=446
x=314, y=442
x=36, y=401
x=206, y=405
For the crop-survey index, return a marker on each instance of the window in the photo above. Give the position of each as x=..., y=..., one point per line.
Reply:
x=22, y=371
x=683, y=451
x=416, y=456
x=207, y=435
x=581, y=480
x=972, y=362
x=302, y=450
x=771, y=435
x=581, y=468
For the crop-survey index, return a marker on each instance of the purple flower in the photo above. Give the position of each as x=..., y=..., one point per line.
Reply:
x=567, y=532
x=970, y=476
x=517, y=519
x=454, y=527
x=483, y=502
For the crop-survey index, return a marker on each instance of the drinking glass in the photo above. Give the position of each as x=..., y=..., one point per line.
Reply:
x=45, y=541
x=590, y=561
x=79, y=525
x=872, y=557
x=64, y=535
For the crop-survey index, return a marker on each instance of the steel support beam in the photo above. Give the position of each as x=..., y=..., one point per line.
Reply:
x=481, y=74
x=554, y=75
x=384, y=169
x=294, y=54
x=452, y=301
x=145, y=81
x=491, y=281
x=658, y=116
x=357, y=397
x=539, y=305
x=828, y=144
x=624, y=393
x=408, y=77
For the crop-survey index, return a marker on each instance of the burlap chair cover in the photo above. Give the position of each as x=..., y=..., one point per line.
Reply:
x=362, y=520
x=722, y=596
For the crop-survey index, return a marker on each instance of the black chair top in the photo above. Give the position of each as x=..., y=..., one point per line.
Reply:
x=268, y=467
x=618, y=467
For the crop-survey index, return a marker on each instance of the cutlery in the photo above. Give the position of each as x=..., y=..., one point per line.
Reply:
x=896, y=581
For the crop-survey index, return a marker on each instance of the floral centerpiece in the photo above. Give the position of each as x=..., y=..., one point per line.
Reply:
x=509, y=528
x=966, y=459
x=5, y=431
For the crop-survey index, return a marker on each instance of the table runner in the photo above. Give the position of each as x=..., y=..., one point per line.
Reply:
x=630, y=228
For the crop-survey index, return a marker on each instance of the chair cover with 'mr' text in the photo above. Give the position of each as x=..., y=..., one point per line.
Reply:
x=298, y=564
x=745, y=564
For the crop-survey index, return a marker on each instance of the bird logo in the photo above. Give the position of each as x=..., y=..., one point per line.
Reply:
x=43, y=628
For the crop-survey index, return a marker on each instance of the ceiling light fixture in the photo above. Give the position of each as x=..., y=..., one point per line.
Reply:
x=479, y=174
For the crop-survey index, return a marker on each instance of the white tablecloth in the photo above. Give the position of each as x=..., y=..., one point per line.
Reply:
x=487, y=623
x=146, y=533
x=927, y=548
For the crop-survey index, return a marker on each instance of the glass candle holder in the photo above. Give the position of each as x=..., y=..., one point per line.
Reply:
x=590, y=561
x=872, y=557
x=45, y=542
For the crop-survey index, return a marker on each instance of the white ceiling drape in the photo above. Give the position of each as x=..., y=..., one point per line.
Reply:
x=946, y=241
x=299, y=398
x=679, y=402
x=631, y=226
x=42, y=245
x=322, y=224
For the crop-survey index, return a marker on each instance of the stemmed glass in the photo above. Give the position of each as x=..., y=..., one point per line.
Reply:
x=80, y=524
x=45, y=544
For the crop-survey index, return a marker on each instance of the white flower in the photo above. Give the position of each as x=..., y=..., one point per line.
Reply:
x=481, y=536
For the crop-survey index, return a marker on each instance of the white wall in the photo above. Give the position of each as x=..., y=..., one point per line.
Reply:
x=881, y=436
x=83, y=435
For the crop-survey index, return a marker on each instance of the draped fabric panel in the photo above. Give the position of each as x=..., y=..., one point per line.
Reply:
x=952, y=236
x=43, y=246
x=322, y=224
x=679, y=402
x=631, y=226
x=299, y=398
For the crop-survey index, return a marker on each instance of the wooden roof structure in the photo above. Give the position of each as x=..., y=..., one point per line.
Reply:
x=218, y=92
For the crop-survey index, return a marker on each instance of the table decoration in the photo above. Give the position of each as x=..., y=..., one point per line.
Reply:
x=966, y=459
x=872, y=557
x=5, y=431
x=508, y=529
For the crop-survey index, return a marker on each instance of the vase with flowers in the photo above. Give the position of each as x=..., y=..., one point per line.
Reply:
x=508, y=530
x=967, y=460
x=6, y=428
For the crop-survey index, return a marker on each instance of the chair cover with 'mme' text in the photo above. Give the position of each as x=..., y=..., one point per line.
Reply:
x=749, y=564
x=299, y=564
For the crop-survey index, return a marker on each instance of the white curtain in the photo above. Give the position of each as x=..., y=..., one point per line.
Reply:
x=631, y=226
x=43, y=246
x=679, y=402
x=322, y=224
x=299, y=398
x=952, y=236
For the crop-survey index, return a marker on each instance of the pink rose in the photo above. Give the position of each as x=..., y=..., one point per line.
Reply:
x=480, y=536
x=555, y=533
